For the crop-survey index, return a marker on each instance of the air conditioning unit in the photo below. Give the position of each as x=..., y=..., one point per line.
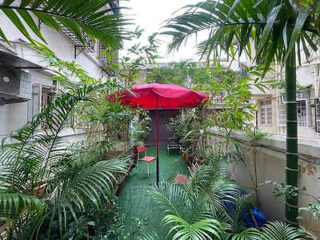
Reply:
x=15, y=85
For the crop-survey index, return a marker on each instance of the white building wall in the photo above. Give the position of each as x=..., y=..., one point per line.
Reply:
x=13, y=116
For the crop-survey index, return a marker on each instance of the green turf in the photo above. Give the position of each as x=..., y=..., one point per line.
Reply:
x=134, y=200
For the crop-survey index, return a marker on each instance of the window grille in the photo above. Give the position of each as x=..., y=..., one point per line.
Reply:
x=302, y=113
x=107, y=56
x=89, y=43
x=303, y=109
x=266, y=112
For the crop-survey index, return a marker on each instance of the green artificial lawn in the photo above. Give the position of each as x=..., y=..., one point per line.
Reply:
x=136, y=203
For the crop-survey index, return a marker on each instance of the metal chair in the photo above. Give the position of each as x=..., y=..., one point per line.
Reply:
x=146, y=158
x=172, y=145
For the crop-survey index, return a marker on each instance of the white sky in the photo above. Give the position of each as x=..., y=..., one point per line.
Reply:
x=150, y=15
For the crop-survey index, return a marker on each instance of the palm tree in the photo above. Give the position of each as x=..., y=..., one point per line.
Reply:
x=82, y=16
x=280, y=31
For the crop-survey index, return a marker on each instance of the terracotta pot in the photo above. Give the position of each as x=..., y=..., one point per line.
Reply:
x=39, y=191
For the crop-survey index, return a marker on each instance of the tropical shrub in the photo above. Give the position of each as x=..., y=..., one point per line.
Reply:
x=140, y=128
x=190, y=130
x=280, y=32
x=213, y=208
x=184, y=73
x=48, y=185
x=42, y=179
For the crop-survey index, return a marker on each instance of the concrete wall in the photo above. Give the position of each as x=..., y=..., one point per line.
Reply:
x=271, y=163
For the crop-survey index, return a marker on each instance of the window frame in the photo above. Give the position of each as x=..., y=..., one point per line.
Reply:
x=264, y=119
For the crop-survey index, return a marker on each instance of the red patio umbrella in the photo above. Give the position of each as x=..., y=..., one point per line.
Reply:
x=159, y=97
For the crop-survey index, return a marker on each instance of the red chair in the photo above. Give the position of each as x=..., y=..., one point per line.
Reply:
x=146, y=158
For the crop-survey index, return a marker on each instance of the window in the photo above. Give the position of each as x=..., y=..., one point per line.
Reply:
x=266, y=112
x=303, y=109
x=41, y=97
x=302, y=113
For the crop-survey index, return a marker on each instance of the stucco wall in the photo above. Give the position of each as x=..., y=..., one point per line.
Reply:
x=270, y=162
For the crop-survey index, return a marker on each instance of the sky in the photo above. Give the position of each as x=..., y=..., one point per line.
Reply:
x=151, y=15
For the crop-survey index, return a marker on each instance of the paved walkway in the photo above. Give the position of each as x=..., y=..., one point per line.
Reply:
x=136, y=203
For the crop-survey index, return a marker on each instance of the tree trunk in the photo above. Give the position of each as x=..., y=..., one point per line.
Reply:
x=292, y=140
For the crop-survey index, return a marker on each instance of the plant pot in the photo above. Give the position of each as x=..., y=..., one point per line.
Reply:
x=39, y=190
x=183, y=155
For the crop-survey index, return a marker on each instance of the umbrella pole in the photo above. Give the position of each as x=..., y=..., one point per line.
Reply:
x=157, y=140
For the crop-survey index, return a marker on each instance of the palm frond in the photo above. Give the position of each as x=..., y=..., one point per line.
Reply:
x=169, y=197
x=13, y=204
x=247, y=234
x=201, y=230
x=148, y=236
x=274, y=26
x=93, y=182
x=95, y=18
x=279, y=230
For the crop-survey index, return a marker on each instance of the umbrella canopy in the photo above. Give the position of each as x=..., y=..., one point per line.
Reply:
x=161, y=96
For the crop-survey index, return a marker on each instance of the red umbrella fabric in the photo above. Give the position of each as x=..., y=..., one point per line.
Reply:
x=162, y=96
x=159, y=96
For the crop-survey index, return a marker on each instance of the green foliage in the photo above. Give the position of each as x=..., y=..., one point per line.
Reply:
x=281, y=84
x=202, y=229
x=258, y=135
x=43, y=158
x=280, y=230
x=85, y=19
x=247, y=234
x=313, y=208
x=203, y=210
x=232, y=93
x=46, y=184
x=185, y=73
x=103, y=223
x=275, y=28
x=188, y=128
x=127, y=68
x=106, y=123
x=230, y=109
x=140, y=128
x=213, y=208
x=148, y=236
x=267, y=23
x=281, y=189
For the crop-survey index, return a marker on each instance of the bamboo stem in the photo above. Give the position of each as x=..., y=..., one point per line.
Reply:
x=292, y=139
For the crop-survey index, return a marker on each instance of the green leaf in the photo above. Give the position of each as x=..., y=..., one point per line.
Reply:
x=16, y=21
x=89, y=16
x=268, y=28
x=29, y=20
x=2, y=35
x=302, y=17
